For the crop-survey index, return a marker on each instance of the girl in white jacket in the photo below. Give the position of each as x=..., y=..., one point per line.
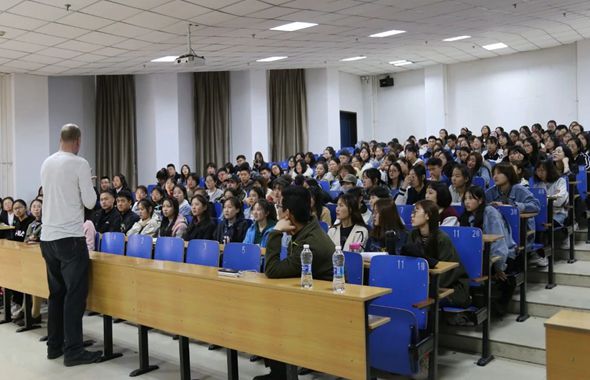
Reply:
x=351, y=227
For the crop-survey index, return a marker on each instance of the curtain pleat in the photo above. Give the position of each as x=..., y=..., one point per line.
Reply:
x=116, y=141
x=212, y=118
x=288, y=113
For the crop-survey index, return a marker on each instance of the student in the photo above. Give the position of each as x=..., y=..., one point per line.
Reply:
x=371, y=178
x=107, y=219
x=213, y=192
x=276, y=171
x=322, y=173
x=329, y=153
x=171, y=169
x=309, y=159
x=365, y=160
x=507, y=191
x=580, y=157
x=157, y=197
x=233, y=227
x=119, y=183
x=234, y=183
x=414, y=187
x=245, y=178
x=185, y=172
x=394, y=176
x=203, y=225
x=258, y=162
x=531, y=148
x=6, y=216
x=128, y=217
x=105, y=183
x=435, y=244
x=412, y=156
x=301, y=168
x=184, y=207
x=478, y=168
x=463, y=154
x=492, y=153
x=173, y=223
x=33, y=234
x=376, y=193
x=254, y=195
x=351, y=227
x=265, y=218
x=298, y=222
x=321, y=212
x=21, y=220
x=439, y=193
x=563, y=158
x=169, y=188
x=387, y=224
x=140, y=193
x=460, y=181
x=435, y=167
x=148, y=223
x=192, y=184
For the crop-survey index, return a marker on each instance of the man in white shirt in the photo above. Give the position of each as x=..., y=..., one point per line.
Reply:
x=67, y=186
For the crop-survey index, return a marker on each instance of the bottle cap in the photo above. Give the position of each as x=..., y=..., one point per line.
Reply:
x=305, y=246
x=338, y=248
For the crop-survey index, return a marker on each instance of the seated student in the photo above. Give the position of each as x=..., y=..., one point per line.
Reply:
x=254, y=195
x=460, y=182
x=6, y=216
x=321, y=212
x=322, y=173
x=157, y=197
x=297, y=221
x=371, y=178
x=564, y=161
x=246, y=182
x=128, y=217
x=492, y=153
x=169, y=188
x=184, y=207
x=435, y=167
x=477, y=167
x=265, y=218
x=213, y=192
x=439, y=193
x=185, y=172
x=148, y=223
x=33, y=234
x=351, y=227
x=192, y=184
x=105, y=184
x=107, y=219
x=376, y=193
x=21, y=220
x=204, y=222
x=140, y=193
x=437, y=245
x=234, y=183
x=490, y=221
x=387, y=224
x=413, y=188
x=522, y=173
x=173, y=223
x=366, y=213
x=508, y=191
x=233, y=227
x=395, y=178
x=119, y=183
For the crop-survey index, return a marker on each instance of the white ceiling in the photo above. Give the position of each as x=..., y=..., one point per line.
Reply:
x=122, y=36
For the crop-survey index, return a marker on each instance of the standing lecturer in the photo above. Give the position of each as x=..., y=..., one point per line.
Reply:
x=67, y=189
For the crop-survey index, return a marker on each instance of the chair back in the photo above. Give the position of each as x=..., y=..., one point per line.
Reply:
x=512, y=215
x=218, y=209
x=203, y=252
x=140, y=246
x=459, y=209
x=96, y=241
x=405, y=213
x=169, y=248
x=582, y=179
x=113, y=242
x=189, y=219
x=390, y=345
x=150, y=188
x=332, y=208
x=408, y=279
x=468, y=241
x=241, y=256
x=324, y=226
x=542, y=216
x=334, y=194
x=325, y=185
x=353, y=268
x=478, y=181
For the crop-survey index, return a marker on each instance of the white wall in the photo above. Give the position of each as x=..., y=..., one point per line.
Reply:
x=323, y=108
x=583, y=74
x=351, y=100
x=31, y=132
x=73, y=100
x=240, y=115
x=186, y=121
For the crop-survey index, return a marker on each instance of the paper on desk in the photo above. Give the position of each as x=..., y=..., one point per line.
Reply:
x=367, y=256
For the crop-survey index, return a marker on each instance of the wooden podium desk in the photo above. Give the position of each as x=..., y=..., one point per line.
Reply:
x=567, y=336
x=277, y=319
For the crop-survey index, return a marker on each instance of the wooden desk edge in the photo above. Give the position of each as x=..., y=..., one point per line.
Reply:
x=490, y=238
x=570, y=320
x=526, y=215
x=443, y=267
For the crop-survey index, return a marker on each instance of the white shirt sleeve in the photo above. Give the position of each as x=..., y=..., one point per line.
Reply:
x=85, y=183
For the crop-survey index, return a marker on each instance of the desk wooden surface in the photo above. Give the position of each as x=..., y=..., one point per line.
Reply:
x=526, y=215
x=270, y=318
x=570, y=319
x=6, y=227
x=567, y=336
x=490, y=238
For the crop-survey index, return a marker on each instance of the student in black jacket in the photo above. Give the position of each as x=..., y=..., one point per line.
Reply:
x=21, y=220
x=6, y=216
x=128, y=217
x=107, y=219
x=203, y=225
x=233, y=227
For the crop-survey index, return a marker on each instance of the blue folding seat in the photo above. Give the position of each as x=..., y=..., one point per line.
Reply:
x=113, y=242
x=324, y=226
x=140, y=246
x=203, y=252
x=405, y=213
x=353, y=268
x=332, y=208
x=478, y=181
x=325, y=185
x=241, y=256
x=169, y=249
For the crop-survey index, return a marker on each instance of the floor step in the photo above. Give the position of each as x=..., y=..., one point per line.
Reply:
x=547, y=302
x=522, y=341
x=576, y=274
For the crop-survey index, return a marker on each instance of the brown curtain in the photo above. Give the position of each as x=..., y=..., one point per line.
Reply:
x=288, y=113
x=212, y=118
x=115, y=127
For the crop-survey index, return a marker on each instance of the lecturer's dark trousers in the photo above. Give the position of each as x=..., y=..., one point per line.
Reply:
x=67, y=274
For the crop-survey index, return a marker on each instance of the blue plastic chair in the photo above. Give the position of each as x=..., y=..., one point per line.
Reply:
x=332, y=208
x=218, y=209
x=512, y=215
x=324, y=226
x=284, y=164
x=353, y=268
x=169, y=249
x=394, y=347
x=241, y=256
x=540, y=220
x=478, y=181
x=325, y=185
x=203, y=252
x=468, y=241
x=96, y=241
x=140, y=246
x=334, y=194
x=113, y=242
x=405, y=213
x=407, y=277
x=582, y=179
x=394, y=193
x=150, y=188
x=189, y=219
x=202, y=182
x=459, y=209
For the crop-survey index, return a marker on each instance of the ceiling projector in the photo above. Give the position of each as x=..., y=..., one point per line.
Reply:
x=190, y=58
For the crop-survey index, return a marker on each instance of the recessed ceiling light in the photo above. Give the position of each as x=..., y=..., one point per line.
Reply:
x=496, y=46
x=2, y=33
x=271, y=59
x=168, y=58
x=387, y=33
x=458, y=38
x=401, y=62
x=358, y=58
x=293, y=26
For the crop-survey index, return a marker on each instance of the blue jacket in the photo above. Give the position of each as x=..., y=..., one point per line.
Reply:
x=251, y=234
x=520, y=197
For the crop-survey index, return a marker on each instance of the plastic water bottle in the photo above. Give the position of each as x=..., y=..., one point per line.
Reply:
x=338, y=264
x=306, y=260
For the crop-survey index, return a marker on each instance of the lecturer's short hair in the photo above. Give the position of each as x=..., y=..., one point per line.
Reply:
x=70, y=132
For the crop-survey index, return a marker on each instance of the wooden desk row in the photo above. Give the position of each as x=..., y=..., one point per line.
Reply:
x=277, y=319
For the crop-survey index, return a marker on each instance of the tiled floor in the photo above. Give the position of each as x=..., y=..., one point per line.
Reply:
x=22, y=357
